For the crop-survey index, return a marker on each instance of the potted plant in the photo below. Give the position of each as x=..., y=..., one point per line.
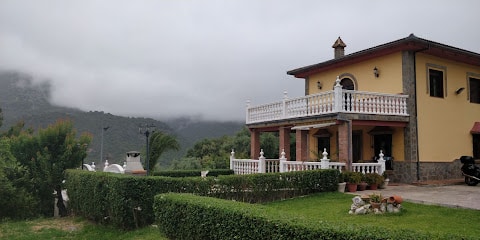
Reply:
x=373, y=180
x=341, y=182
x=362, y=186
x=352, y=179
x=375, y=200
x=386, y=180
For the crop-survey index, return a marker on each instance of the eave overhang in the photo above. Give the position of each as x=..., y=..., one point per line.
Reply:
x=410, y=43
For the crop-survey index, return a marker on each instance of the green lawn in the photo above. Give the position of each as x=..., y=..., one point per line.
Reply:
x=324, y=207
x=70, y=228
x=333, y=207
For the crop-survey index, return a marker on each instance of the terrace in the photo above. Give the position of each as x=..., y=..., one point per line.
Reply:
x=329, y=102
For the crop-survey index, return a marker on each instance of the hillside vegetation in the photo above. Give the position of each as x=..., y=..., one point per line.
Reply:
x=22, y=100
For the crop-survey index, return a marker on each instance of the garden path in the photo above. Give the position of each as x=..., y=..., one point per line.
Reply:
x=454, y=194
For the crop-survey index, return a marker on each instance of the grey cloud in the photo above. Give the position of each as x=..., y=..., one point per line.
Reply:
x=202, y=58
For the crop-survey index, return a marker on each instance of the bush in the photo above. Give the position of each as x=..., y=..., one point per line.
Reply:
x=126, y=201
x=353, y=177
x=341, y=177
x=185, y=216
x=373, y=178
x=193, y=173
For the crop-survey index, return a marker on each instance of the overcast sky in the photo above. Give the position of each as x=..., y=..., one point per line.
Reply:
x=167, y=59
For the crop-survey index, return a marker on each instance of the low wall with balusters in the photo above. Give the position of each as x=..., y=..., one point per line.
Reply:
x=263, y=165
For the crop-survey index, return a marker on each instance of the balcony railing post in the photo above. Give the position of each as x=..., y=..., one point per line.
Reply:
x=247, y=120
x=337, y=95
x=284, y=106
x=325, y=162
x=283, y=159
x=261, y=162
x=232, y=156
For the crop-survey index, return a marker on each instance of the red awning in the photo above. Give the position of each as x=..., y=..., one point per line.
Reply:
x=475, y=128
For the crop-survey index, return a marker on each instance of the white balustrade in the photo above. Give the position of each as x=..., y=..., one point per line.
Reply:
x=250, y=166
x=367, y=168
x=337, y=165
x=294, y=166
x=272, y=165
x=262, y=165
x=333, y=101
x=245, y=166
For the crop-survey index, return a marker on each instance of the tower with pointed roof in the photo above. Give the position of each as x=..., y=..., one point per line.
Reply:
x=339, y=47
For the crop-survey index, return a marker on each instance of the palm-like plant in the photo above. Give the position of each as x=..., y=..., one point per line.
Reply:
x=159, y=143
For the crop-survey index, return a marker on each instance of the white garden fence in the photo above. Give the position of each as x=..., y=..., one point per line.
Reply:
x=263, y=165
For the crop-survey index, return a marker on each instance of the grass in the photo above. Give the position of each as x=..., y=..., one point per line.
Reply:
x=70, y=228
x=333, y=207
x=323, y=207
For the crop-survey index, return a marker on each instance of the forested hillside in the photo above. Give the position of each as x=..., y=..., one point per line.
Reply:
x=21, y=100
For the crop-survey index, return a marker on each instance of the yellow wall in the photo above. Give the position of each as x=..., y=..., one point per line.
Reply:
x=389, y=81
x=444, y=123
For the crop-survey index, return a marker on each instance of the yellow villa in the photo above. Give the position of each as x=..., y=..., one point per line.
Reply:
x=415, y=100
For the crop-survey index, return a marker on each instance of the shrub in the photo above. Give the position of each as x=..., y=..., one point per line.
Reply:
x=193, y=173
x=126, y=201
x=185, y=216
x=353, y=177
x=341, y=177
x=373, y=178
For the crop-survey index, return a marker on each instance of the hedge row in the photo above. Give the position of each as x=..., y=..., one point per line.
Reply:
x=126, y=201
x=186, y=216
x=193, y=173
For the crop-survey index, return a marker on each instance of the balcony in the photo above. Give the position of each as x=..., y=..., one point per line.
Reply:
x=335, y=101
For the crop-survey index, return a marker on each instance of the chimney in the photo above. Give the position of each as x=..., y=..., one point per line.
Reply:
x=339, y=46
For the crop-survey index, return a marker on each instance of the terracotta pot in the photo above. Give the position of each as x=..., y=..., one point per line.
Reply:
x=352, y=187
x=373, y=186
x=375, y=205
x=362, y=186
x=395, y=199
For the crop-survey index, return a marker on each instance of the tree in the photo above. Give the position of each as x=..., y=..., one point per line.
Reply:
x=16, y=130
x=241, y=143
x=16, y=201
x=47, y=155
x=160, y=143
x=215, y=152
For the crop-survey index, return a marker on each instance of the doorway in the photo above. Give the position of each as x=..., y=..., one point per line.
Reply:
x=383, y=142
x=356, y=146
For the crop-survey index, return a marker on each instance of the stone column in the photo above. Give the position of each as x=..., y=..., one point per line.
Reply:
x=411, y=171
x=301, y=145
x=284, y=145
x=344, y=143
x=254, y=143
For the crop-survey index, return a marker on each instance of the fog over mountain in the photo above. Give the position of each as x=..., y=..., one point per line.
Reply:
x=203, y=59
x=23, y=100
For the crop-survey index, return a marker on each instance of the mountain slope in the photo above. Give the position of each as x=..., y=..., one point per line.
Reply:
x=20, y=99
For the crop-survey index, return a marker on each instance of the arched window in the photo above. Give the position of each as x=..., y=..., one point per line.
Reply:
x=347, y=84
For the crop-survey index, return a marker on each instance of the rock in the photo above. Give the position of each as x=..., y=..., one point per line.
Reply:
x=361, y=210
x=357, y=200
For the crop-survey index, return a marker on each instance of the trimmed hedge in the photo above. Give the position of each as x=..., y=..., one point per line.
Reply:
x=186, y=216
x=193, y=173
x=126, y=201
